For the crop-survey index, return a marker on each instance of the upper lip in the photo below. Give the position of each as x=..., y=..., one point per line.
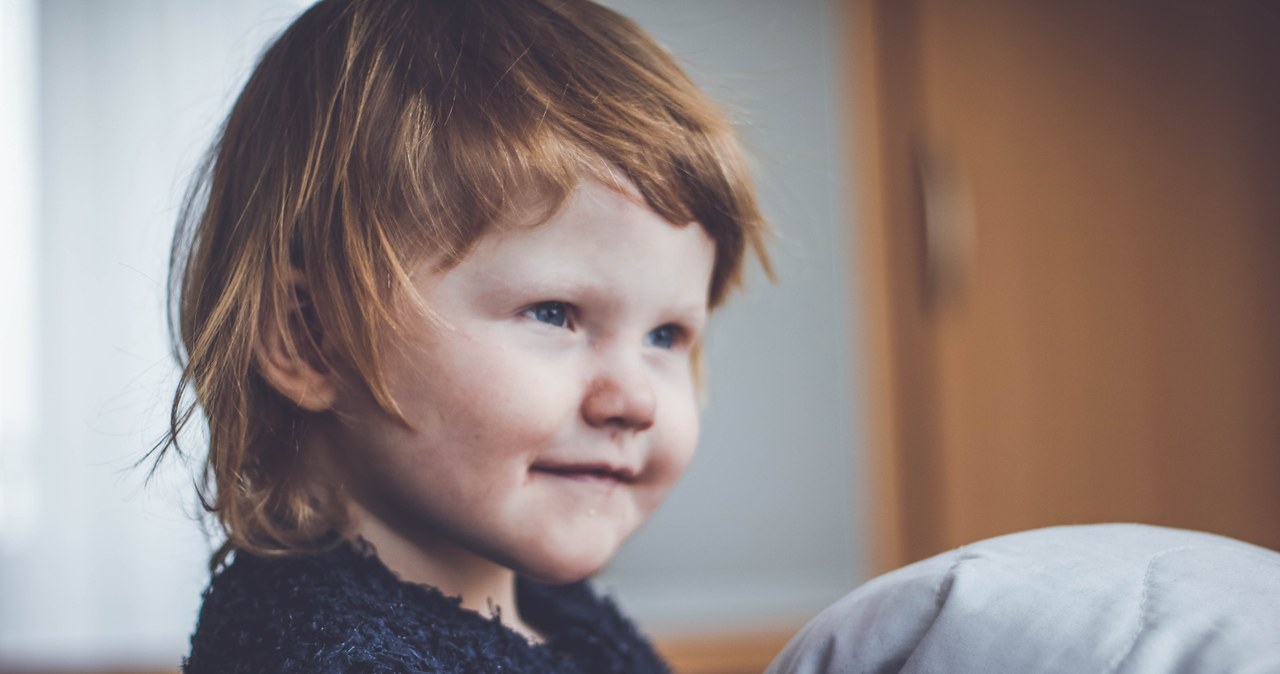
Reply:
x=604, y=468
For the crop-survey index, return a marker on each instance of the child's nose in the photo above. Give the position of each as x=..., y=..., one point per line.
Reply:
x=621, y=396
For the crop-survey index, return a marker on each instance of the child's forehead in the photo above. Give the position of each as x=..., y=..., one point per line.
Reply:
x=535, y=201
x=597, y=204
x=595, y=234
x=591, y=213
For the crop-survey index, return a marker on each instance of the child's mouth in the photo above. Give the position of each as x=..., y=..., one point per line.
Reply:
x=586, y=471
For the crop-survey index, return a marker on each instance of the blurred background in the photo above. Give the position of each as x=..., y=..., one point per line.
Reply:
x=1027, y=259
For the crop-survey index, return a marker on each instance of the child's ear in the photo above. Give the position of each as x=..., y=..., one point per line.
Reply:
x=288, y=352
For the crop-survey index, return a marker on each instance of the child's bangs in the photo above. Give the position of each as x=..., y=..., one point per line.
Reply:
x=511, y=104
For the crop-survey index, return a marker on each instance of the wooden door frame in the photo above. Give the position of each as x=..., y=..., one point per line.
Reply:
x=905, y=513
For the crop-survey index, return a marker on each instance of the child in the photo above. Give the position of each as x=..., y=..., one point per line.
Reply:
x=440, y=299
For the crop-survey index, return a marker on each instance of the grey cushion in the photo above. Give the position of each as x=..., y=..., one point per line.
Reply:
x=1101, y=598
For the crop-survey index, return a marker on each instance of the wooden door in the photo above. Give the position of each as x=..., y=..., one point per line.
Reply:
x=1070, y=220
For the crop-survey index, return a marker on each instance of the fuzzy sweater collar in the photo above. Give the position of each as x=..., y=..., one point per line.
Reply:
x=344, y=611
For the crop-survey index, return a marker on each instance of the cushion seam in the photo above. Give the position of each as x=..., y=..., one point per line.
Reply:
x=1143, y=607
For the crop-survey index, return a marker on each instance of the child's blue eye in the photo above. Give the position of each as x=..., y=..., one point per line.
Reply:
x=665, y=337
x=551, y=313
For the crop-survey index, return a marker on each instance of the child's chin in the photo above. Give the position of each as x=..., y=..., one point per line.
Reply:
x=561, y=569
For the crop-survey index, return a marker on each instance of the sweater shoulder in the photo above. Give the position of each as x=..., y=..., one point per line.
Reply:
x=331, y=613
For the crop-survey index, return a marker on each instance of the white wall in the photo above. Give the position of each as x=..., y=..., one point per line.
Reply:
x=761, y=530
x=128, y=95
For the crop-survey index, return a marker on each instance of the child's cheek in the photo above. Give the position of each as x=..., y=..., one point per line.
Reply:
x=512, y=394
x=675, y=442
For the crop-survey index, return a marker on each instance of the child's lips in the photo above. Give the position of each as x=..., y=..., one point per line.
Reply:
x=587, y=471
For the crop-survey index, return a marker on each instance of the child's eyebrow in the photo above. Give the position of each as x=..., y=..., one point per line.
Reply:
x=581, y=290
x=553, y=286
x=692, y=316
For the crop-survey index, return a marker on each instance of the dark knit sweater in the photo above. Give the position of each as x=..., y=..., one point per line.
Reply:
x=344, y=611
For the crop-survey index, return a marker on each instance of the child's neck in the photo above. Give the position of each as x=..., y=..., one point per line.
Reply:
x=483, y=585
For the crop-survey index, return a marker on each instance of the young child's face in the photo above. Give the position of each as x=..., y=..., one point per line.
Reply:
x=553, y=402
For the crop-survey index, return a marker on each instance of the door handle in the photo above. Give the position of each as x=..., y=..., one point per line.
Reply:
x=948, y=227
